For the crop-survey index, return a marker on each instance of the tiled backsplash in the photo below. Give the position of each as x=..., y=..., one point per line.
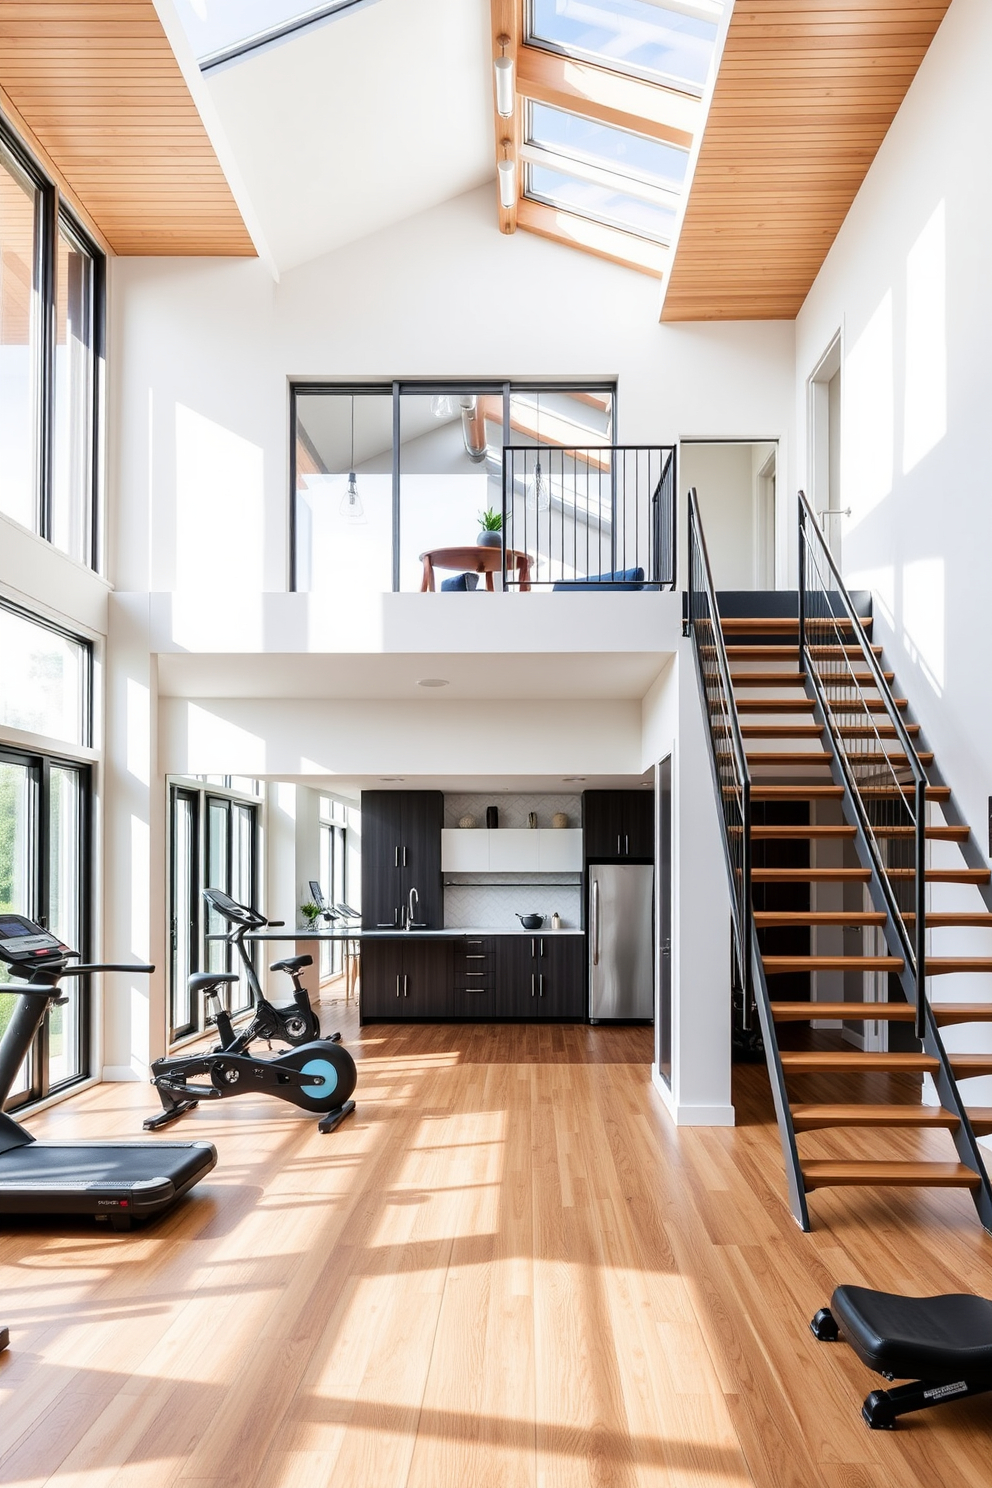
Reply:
x=513, y=810
x=473, y=900
x=495, y=906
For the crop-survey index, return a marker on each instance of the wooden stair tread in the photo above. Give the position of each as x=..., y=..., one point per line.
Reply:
x=834, y=833
x=898, y=759
x=935, y=834
x=852, y=1012
x=962, y=1012
x=764, y=917
x=981, y=1120
x=970, y=1066
x=775, y=705
x=938, y=919
x=788, y=756
x=781, y=730
x=797, y=792
x=946, y=875
x=888, y=1175
x=846, y=1061
x=811, y=875
x=815, y=1117
x=943, y=965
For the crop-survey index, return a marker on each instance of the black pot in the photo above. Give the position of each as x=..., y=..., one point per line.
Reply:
x=531, y=921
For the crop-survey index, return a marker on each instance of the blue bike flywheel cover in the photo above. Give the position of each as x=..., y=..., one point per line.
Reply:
x=328, y=1084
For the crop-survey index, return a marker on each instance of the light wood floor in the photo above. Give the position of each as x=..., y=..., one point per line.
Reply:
x=507, y=1268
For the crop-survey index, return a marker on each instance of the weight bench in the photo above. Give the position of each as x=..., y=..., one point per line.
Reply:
x=942, y=1344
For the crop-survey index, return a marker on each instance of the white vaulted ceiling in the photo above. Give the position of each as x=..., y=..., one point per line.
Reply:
x=349, y=126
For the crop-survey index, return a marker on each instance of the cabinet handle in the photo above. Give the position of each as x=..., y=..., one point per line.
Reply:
x=626, y=845
x=532, y=950
x=404, y=857
x=533, y=980
x=475, y=956
x=397, y=984
x=406, y=985
x=595, y=922
x=396, y=858
x=619, y=853
x=540, y=983
x=542, y=946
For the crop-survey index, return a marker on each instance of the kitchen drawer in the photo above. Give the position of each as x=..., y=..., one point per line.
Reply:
x=473, y=1002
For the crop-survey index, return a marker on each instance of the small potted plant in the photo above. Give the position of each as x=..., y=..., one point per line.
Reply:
x=490, y=529
x=310, y=913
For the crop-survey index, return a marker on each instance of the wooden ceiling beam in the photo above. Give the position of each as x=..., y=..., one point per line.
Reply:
x=609, y=97
x=507, y=22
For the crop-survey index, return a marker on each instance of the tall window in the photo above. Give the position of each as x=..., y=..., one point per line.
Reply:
x=44, y=810
x=44, y=825
x=214, y=844
x=51, y=326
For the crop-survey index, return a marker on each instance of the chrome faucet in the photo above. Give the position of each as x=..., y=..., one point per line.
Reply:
x=412, y=905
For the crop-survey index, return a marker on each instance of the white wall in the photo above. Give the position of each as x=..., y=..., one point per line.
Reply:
x=907, y=283
x=203, y=350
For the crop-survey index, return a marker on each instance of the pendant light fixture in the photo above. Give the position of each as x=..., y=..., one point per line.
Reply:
x=506, y=170
x=351, y=503
x=504, y=79
x=539, y=493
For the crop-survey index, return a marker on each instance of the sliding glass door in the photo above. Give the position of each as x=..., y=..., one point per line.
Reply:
x=44, y=812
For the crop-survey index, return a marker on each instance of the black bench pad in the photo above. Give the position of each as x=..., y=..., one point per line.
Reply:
x=932, y=1338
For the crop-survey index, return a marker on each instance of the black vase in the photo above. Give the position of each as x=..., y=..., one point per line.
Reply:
x=492, y=816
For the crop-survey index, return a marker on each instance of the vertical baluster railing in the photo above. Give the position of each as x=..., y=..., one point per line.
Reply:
x=889, y=794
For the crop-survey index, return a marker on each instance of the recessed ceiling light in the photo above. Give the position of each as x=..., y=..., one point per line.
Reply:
x=433, y=682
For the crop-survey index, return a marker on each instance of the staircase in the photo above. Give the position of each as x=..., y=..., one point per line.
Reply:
x=853, y=882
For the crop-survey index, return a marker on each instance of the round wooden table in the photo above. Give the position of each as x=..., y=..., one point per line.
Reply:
x=474, y=560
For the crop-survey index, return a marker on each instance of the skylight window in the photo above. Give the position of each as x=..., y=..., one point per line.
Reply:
x=220, y=30
x=666, y=41
x=610, y=175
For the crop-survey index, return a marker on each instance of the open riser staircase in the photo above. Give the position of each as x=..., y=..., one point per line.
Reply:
x=862, y=903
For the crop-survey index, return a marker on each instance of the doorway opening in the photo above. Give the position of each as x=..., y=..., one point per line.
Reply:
x=824, y=425
x=736, y=483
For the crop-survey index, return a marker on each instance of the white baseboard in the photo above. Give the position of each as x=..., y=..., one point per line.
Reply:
x=691, y=1115
x=116, y=1074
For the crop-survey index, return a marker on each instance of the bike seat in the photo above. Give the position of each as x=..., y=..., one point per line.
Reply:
x=292, y=963
x=931, y=1338
x=205, y=981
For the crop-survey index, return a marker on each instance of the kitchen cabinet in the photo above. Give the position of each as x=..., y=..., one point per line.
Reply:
x=401, y=849
x=541, y=976
x=404, y=978
x=618, y=826
x=474, y=977
x=511, y=850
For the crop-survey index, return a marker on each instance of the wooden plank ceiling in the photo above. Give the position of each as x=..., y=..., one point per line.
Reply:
x=804, y=96
x=100, y=88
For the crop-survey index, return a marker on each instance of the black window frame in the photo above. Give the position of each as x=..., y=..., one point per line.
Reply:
x=422, y=387
x=52, y=211
x=41, y=763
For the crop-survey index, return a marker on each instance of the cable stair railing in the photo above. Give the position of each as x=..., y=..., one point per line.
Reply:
x=885, y=802
x=844, y=750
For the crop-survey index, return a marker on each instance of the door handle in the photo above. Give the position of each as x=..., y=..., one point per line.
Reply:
x=595, y=923
x=396, y=858
x=533, y=981
x=532, y=950
x=542, y=947
x=619, y=852
x=626, y=845
x=404, y=857
x=406, y=985
x=540, y=984
x=397, y=984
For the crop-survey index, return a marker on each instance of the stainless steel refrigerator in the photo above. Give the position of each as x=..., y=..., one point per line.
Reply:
x=621, y=941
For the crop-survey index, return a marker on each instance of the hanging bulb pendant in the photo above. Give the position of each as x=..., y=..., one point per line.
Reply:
x=539, y=493
x=351, y=503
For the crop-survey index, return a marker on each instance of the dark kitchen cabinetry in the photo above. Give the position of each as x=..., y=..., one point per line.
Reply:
x=403, y=977
x=541, y=976
x=618, y=826
x=401, y=850
x=474, y=961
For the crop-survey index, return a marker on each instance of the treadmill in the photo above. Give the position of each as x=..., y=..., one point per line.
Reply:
x=118, y=1183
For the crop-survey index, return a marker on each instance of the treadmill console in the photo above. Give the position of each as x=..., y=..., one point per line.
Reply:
x=24, y=945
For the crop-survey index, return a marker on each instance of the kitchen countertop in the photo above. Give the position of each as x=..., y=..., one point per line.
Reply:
x=452, y=933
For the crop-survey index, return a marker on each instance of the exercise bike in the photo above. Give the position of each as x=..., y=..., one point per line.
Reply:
x=317, y=1074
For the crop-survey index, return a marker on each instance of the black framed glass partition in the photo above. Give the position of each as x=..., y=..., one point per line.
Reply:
x=382, y=473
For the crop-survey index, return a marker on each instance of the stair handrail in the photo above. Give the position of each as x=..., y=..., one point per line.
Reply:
x=733, y=786
x=813, y=550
